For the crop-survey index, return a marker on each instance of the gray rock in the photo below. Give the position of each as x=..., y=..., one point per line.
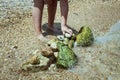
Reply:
x=36, y=63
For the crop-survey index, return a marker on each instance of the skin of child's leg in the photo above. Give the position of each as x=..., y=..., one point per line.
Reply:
x=52, y=4
x=37, y=17
x=51, y=13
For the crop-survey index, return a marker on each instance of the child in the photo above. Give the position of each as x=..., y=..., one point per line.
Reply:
x=52, y=5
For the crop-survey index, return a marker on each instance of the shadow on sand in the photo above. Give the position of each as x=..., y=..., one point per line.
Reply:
x=57, y=27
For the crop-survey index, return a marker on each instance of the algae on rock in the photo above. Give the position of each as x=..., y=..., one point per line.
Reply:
x=66, y=57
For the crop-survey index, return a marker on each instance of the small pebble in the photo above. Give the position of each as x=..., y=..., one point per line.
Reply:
x=56, y=54
x=60, y=37
x=5, y=59
x=52, y=67
x=67, y=35
x=14, y=47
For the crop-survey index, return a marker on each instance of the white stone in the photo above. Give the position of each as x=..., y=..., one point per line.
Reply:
x=56, y=54
x=53, y=45
x=60, y=37
x=67, y=35
x=52, y=67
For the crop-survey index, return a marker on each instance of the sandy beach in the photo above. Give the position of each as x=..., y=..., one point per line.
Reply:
x=100, y=61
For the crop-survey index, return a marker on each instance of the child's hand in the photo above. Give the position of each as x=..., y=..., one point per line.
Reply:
x=65, y=29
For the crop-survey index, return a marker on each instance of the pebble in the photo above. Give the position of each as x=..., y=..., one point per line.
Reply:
x=36, y=62
x=56, y=54
x=14, y=5
x=67, y=35
x=46, y=51
x=5, y=59
x=52, y=67
x=14, y=47
x=60, y=37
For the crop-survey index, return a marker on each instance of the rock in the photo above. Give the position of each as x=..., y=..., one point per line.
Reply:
x=14, y=47
x=67, y=35
x=51, y=41
x=36, y=63
x=36, y=52
x=84, y=37
x=73, y=37
x=52, y=67
x=5, y=59
x=56, y=54
x=53, y=44
x=71, y=44
x=33, y=60
x=60, y=37
x=66, y=57
x=43, y=61
x=46, y=51
x=66, y=40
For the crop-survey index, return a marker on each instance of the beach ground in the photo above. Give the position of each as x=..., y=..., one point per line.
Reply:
x=101, y=61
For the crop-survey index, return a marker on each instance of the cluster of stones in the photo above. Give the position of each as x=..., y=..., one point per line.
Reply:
x=58, y=52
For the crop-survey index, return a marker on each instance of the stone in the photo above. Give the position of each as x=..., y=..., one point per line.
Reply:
x=46, y=51
x=56, y=54
x=66, y=57
x=84, y=36
x=36, y=63
x=67, y=35
x=52, y=67
x=33, y=60
x=60, y=37
x=66, y=40
x=71, y=44
x=53, y=44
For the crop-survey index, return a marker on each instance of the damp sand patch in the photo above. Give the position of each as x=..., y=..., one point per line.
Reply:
x=101, y=60
x=112, y=35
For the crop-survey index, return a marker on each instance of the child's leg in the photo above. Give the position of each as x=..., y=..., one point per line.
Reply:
x=51, y=13
x=37, y=17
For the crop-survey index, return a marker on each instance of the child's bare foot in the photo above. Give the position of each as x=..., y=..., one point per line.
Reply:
x=42, y=38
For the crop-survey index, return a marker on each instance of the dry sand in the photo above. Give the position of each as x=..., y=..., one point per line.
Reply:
x=101, y=61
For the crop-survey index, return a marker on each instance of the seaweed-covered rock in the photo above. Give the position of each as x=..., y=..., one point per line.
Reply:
x=71, y=44
x=84, y=37
x=66, y=57
x=66, y=40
